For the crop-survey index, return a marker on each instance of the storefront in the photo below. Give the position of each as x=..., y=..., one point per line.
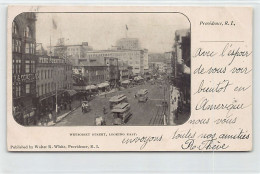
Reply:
x=103, y=87
x=125, y=83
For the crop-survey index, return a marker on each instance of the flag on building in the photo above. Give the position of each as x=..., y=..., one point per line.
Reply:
x=126, y=27
x=54, y=25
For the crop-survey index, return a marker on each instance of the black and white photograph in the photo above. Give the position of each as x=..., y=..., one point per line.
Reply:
x=101, y=69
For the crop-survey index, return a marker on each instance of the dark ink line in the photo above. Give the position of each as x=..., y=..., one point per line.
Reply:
x=223, y=41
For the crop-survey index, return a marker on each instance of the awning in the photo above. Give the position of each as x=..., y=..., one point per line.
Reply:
x=118, y=110
x=89, y=87
x=141, y=78
x=71, y=92
x=103, y=85
x=138, y=78
x=186, y=70
x=125, y=82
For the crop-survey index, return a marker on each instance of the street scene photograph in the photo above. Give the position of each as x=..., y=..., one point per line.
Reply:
x=101, y=69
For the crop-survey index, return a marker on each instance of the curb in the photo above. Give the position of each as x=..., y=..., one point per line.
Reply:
x=65, y=115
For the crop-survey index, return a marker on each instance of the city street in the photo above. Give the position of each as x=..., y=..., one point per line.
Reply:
x=148, y=113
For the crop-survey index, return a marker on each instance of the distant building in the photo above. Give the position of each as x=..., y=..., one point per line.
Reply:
x=168, y=61
x=125, y=71
x=134, y=58
x=113, y=70
x=23, y=68
x=40, y=50
x=73, y=52
x=128, y=44
x=94, y=72
x=160, y=67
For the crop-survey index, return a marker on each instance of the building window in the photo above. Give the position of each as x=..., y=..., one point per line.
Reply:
x=32, y=48
x=41, y=74
x=28, y=88
x=32, y=66
x=14, y=28
x=43, y=90
x=17, y=66
x=16, y=45
x=27, y=66
x=27, y=48
x=37, y=91
x=13, y=45
x=13, y=66
x=18, y=90
x=49, y=90
x=27, y=32
x=46, y=88
x=40, y=90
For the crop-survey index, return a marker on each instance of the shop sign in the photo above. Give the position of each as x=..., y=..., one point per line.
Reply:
x=24, y=77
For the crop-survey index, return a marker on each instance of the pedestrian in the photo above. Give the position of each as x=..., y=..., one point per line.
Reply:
x=50, y=116
x=104, y=110
x=179, y=105
x=54, y=117
x=70, y=106
x=176, y=114
x=82, y=107
x=46, y=120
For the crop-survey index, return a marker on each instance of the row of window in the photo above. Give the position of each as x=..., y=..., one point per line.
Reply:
x=27, y=32
x=17, y=47
x=73, y=49
x=97, y=77
x=50, y=87
x=48, y=74
x=29, y=66
x=17, y=89
x=113, y=54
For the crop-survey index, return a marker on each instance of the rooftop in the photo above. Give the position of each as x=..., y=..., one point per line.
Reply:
x=87, y=63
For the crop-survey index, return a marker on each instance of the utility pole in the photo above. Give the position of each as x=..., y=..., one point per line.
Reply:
x=164, y=107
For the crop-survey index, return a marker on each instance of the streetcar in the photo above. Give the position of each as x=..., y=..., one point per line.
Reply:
x=121, y=113
x=142, y=95
x=117, y=100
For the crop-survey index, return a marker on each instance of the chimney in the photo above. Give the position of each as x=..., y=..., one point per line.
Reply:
x=84, y=43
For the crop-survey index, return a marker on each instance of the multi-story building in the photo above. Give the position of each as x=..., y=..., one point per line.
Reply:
x=92, y=74
x=128, y=44
x=161, y=67
x=128, y=50
x=125, y=71
x=146, y=60
x=134, y=58
x=181, y=62
x=23, y=67
x=168, y=61
x=113, y=70
x=73, y=52
x=54, y=77
x=133, y=44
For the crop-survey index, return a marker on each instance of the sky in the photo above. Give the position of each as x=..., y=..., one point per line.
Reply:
x=155, y=31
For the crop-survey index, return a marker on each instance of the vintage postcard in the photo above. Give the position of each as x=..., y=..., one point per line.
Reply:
x=125, y=78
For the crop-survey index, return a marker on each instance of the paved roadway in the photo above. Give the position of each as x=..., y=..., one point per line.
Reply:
x=143, y=114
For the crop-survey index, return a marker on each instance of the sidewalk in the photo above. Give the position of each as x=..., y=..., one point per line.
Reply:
x=108, y=92
x=63, y=113
x=173, y=106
